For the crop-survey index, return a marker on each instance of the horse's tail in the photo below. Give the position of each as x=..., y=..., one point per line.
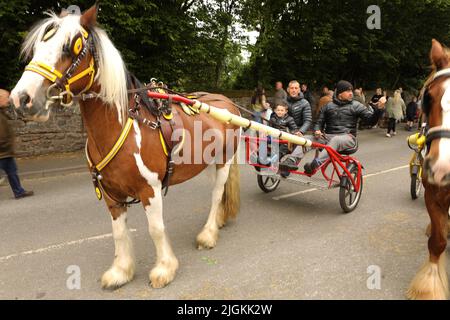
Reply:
x=231, y=199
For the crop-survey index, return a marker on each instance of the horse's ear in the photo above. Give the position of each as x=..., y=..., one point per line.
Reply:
x=438, y=55
x=89, y=17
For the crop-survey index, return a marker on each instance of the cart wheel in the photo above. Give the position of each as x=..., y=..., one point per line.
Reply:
x=268, y=184
x=416, y=186
x=348, y=197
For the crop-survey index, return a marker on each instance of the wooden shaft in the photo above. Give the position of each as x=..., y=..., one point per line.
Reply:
x=224, y=115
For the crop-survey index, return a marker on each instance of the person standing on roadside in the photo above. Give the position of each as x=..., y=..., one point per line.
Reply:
x=7, y=161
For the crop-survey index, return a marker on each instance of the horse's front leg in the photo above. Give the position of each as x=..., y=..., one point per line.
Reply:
x=431, y=282
x=122, y=269
x=166, y=263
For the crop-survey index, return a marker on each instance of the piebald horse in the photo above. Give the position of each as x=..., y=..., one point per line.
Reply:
x=431, y=281
x=73, y=59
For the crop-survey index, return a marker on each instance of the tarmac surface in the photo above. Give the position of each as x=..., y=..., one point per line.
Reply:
x=294, y=243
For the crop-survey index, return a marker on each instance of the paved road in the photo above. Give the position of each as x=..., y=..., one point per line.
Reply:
x=298, y=247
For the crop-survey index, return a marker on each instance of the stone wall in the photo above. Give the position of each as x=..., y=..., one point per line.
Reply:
x=63, y=132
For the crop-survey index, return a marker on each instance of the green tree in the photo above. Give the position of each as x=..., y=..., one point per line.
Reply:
x=323, y=41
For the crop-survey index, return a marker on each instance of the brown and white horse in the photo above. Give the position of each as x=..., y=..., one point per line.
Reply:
x=73, y=57
x=431, y=281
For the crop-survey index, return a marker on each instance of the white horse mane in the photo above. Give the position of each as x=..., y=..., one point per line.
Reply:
x=111, y=73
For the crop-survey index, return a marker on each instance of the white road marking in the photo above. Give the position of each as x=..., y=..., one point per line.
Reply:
x=315, y=189
x=294, y=194
x=385, y=171
x=58, y=246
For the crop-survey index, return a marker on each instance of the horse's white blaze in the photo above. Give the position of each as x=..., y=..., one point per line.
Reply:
x=166, y=262
x=29, y=83
x=442, y=166
x=122, y=270
x=207, y=238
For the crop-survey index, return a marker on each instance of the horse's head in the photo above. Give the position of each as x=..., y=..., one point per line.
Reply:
x=63, y=64
x=436, y=107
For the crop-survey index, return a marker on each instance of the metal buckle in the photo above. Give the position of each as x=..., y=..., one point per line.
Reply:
x=70, y=97
x=152, y=124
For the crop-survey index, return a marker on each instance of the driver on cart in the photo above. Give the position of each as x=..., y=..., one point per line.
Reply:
x=336, y=127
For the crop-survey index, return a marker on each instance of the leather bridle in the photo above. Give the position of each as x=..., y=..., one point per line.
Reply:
x=438, y=132
x=62, y=82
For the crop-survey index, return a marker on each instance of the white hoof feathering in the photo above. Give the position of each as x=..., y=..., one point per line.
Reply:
x=163, y=274
x=430, y=283
x=207, y=239
x=116, y=277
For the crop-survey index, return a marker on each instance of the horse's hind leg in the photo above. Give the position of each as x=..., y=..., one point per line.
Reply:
x=207, y=238
x=166, y=263
x=122, y=269
x=431, y=282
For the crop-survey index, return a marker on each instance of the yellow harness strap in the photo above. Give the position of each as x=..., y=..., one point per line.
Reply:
x=44, y=70
x=126, y=130
x=89, y=71
x=99, y=190
x=163, y=143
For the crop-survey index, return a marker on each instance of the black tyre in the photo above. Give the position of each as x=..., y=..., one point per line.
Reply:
x=416, y=186
x=348, y=197
x=267, y=183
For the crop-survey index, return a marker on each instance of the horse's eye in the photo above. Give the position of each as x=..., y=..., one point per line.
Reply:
x=66, y=50
x=49, y=32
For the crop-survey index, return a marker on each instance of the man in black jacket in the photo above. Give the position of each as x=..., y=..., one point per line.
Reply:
x=337, y=124
x=300, y=109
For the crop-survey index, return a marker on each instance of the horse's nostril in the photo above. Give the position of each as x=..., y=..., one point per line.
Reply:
x=24, y=99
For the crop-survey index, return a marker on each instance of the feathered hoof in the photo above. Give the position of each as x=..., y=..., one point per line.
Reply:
x=415, y=294
x=207, y=239
x=116, y=277
x=163, y=274
x=430, y=283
